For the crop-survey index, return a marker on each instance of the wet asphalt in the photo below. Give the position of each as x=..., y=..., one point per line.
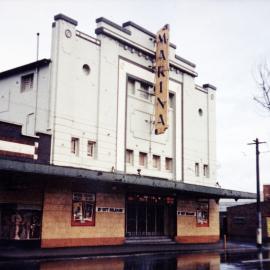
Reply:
x=171, y=261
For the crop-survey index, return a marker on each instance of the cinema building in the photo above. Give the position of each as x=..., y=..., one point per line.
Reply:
x=109, y=141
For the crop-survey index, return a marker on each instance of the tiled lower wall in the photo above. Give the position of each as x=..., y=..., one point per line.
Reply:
x=189, y=232
x=57, y=230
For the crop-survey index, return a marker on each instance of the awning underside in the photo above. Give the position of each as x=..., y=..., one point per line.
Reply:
x=118, y=179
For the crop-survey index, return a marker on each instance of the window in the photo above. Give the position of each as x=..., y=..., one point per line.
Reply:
x=83, y=209
x=171, y=100
x=205, y=170
x=143, y=159
x=168, y=164
x=131, y=86
x=197, y=169
x=27, y=82
x=74, y=147
x=156, y=162
x=129, y=156
x=86, y=69
x=239, y=220
x=91, y=148
x=144, y=90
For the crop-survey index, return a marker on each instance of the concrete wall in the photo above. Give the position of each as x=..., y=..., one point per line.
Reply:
x=138, y=123
x=74, y=92
x=94, y=105
x=187, y=229
x=97, y=106
x=57, y=212
x=30, y=108
x=199, y=133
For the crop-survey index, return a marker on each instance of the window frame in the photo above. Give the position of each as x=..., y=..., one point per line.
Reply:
x=75, y=146
x=170, y=160
x=197, y=169
x=143, y=154
x=130, y=152
x=158, y=160
x=93, y=146
x=30, y=86
x=206, y=170
x=131, y=90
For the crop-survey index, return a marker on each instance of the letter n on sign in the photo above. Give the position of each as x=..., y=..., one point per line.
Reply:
x=162, y=80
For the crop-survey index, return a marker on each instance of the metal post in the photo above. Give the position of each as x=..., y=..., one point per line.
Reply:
x=259, y=214
x=225, y=241
x=37, y=46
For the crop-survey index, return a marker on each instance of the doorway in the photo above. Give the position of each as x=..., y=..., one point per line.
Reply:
x=150, y=215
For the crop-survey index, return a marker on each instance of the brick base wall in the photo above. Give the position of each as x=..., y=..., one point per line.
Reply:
x=78, y=242
x=189, y=232
x=197, y=239
x=57, y=231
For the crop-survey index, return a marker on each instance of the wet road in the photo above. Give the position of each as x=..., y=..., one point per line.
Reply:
x=198, y=261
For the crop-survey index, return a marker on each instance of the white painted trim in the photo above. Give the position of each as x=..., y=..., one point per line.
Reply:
x=17, y=147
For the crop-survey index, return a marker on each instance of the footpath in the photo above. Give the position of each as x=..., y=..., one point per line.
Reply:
x=12, y=253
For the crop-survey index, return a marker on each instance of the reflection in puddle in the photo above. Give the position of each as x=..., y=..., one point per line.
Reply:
x=84, y=264
x=205, y=261
x=154, y=262
x=195, y=261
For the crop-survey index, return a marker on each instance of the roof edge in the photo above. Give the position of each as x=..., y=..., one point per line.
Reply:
x=185, y=61
x=113, y=24
x=30, y=66
x=208, y=85
x=142, y=29
x=63, y=17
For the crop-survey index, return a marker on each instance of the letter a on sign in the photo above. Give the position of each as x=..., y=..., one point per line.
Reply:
x=162, y=80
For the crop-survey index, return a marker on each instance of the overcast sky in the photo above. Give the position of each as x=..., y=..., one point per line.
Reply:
x=225, y=39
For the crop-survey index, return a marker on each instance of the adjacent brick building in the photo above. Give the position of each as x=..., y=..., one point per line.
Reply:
x=242, y=219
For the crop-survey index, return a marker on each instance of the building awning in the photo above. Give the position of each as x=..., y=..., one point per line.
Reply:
x=143, y=182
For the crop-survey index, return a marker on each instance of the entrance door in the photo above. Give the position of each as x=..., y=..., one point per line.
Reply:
x=149, y=215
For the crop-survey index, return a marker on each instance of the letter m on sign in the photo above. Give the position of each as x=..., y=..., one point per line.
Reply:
x=162, y=80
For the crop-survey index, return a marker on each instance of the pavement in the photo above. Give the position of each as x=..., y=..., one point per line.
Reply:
x=21, y=253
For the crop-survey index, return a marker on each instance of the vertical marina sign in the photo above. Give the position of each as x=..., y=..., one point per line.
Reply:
x=162, y=80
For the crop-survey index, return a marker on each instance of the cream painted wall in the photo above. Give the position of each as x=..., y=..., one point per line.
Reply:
x=139, y=135
x=29, y=108
x=92, y=107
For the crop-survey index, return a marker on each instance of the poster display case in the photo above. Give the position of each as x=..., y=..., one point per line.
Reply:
x=83, y=209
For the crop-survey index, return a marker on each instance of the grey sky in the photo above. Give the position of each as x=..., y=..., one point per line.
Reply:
x=226, y=40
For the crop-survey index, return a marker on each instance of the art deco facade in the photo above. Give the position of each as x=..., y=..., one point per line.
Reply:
x=80, y=161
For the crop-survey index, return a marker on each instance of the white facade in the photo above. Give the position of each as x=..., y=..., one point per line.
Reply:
x=25, y=107
x=96, y=96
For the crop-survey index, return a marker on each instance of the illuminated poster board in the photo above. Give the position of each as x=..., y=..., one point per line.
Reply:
x=162, y=80
x=202, y=214
x=83, y=209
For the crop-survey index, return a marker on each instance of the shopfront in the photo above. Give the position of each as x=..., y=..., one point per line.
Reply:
x=20, y=222
x=20, y=209
x=150, y=215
